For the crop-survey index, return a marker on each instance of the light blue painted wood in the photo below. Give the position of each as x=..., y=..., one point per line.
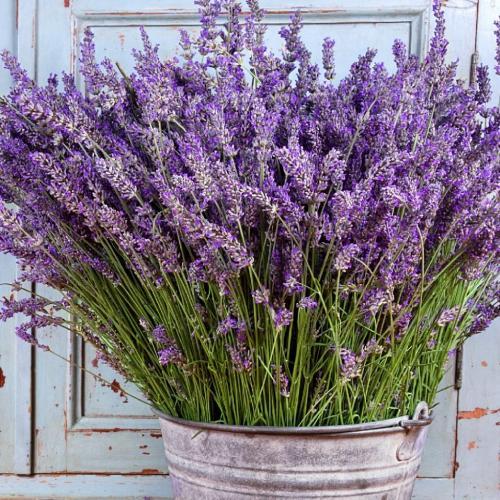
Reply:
x=82, y=426
x=86, y=487
x=15, y=356
x=478, y=438
x=478, y=443
x=7, y=274
x=7, y=377
x=434, y=489
x=26, y=16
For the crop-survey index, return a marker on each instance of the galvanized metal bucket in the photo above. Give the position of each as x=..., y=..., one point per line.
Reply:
x=375, y=461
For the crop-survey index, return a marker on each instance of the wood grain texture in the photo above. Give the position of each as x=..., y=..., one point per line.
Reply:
x=7, y=275
x=16, y=407
x=478, y=443
x=85, y=487
x=154, y=487
x=26, y=49
x=478, y=437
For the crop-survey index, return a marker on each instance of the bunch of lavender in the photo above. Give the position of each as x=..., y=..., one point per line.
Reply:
x=248, y=241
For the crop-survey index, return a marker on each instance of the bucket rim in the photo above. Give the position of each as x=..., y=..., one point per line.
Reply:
x=421, y=418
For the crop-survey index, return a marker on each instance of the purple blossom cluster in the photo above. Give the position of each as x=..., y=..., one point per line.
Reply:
x=263, y=176
x=281, y=381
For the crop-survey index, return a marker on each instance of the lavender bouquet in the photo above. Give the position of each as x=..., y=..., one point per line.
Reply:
x=248, y=241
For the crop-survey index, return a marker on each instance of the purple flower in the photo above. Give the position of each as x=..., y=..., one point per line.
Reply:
x=159, y=334
x=371, y=347
x=241, y=357
x=328, y=58
x=350, y=367
x=307, y=303
x=497, y=53
x=447, y=316
x=261, y=296
x=171, y=355
x=226, y=325
x=282, y=317
x=431, y=343
x=344, y=257
x=281, y=379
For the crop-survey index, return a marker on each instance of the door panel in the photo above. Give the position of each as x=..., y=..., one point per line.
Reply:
x=92, y=409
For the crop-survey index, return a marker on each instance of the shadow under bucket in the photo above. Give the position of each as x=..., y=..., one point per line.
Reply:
x=374, y=461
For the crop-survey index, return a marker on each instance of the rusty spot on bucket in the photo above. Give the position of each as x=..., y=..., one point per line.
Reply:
x=484, y=363
x=121, y=37
x=2, y=378
x=95, y=362
x=156, y=435
x=66, y=3
x=476, y=413
x=472, y=445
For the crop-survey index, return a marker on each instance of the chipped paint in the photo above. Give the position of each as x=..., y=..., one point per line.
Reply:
x=116, y=387
x=95, y=362
x=476, y=413
x=2, y=378
x=121, y=37
x=472, y=445
x=305, y=10
x=104, y=430
x=150, y=471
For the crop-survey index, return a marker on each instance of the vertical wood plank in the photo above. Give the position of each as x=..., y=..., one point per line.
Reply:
x=7, y=274
x=439, y=454
x=51, y=399
x=26, y=17
x=478, y=440
x=461, y=18
x=478, y=449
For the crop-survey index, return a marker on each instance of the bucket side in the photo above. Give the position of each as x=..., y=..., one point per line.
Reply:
x=211, y=464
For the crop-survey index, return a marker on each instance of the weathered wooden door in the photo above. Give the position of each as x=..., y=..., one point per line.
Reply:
x=64, y=434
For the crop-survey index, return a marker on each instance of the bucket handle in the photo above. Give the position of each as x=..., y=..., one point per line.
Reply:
x=413, y=442
x=421, y=417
